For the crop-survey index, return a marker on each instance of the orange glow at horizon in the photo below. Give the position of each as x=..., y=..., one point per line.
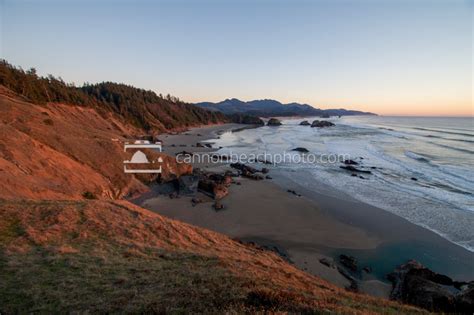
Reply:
x=413, y=109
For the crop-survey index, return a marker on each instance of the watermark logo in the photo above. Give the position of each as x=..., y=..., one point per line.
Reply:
x=139, y=162
x=262, y=157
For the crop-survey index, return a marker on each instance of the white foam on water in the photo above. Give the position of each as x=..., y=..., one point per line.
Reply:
x=441, y=199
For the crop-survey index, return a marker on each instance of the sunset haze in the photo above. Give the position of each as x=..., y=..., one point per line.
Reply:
x=388, y=57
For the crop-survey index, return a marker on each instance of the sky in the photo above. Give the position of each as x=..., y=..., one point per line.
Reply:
x=389, y=57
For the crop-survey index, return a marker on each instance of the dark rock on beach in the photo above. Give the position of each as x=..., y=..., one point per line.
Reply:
x=354, y=169
x=188, y=184
x=218, y=205
x=350, y=162
x=305, y=123
x=196, y=201
x=212, y=188
x=214, y=185
x=302, y=150
x=221, y=179
x=273, y=122
x=322, y=124
x=293, y=192
x=415, y=284
x=349, y=262
x=247, y=171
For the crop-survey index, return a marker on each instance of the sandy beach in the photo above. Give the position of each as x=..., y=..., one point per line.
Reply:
x=309, y=227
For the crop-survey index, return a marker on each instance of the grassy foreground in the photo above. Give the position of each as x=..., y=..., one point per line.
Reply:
x=109, y=257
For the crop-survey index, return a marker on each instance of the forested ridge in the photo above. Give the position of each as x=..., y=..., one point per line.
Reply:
x=142, y=108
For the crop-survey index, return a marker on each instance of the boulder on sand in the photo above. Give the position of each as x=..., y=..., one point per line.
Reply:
x=415, y=284
x=305, y=123
x=212, y=188
x=322, y=123
x=273, y=122
x=214, y=185
x=218, y=205
x=221, y=179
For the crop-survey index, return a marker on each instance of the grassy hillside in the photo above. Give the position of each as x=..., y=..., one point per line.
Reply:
x=138, y=107
x=111, y=256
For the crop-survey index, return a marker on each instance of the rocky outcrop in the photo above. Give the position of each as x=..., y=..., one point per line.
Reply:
x=415, y=284
x=188, y=184
x=248, y=171
x=273, y=122
x=322, y=124
x=305, y=123
x=349, y=262
x=215, y=186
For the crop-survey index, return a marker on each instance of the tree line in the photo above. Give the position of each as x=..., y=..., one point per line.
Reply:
x=143, y=108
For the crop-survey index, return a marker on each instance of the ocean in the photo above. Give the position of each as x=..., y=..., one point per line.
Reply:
x=422, y=168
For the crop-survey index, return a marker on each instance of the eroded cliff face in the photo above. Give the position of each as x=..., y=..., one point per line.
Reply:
x=61, y=151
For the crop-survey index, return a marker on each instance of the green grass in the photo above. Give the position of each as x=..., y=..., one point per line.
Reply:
x=12, y=230
x=46, y=282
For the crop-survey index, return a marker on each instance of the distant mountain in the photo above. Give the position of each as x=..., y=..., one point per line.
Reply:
x=267, y=108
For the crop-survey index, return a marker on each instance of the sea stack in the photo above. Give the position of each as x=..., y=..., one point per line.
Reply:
x=274, y=122
x=322, y=124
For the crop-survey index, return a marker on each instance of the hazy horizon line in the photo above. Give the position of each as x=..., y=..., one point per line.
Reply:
x=322, y=107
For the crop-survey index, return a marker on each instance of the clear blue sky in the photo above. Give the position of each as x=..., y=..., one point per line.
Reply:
x=391, y=57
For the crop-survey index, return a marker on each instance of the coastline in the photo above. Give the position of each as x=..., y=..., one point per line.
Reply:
x=314, y=226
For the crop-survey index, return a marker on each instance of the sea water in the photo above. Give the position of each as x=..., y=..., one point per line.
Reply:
x=422, y=167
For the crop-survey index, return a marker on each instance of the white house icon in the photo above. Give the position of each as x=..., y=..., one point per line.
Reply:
x=138, y=157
